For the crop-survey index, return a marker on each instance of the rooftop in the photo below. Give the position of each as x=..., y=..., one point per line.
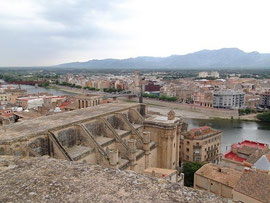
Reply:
x=162, y=120
x=228, y=92
x=50, y=180
x=249, y=143
x=263, y=163
x=255, y=184
x=202, y=132
x=40, y=97
x=234, y=157
x=226, y=176
x=40, y=125
x=248, y=148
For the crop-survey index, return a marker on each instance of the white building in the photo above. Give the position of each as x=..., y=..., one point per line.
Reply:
x=203, y=74
x=213, y=74
x=229, y=99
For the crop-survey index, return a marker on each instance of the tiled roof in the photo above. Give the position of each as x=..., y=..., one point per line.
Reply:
x=256, y=156
x=254, y=150
x=234, y=157
x=226, y=176
x=247, y=150
x=255, y=184
x=249, y=144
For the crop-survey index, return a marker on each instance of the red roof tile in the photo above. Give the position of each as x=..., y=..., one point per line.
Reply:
x=234, y=157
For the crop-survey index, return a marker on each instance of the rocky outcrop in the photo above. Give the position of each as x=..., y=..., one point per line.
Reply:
x=50, y=180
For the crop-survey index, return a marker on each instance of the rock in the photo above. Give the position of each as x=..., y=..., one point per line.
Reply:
x=51, y=180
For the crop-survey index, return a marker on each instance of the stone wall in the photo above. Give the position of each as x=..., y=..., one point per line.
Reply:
x=51, y=180
x=212, y=112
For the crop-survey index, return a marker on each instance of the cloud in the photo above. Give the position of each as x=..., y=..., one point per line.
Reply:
x=48, y=32
x=40, y=33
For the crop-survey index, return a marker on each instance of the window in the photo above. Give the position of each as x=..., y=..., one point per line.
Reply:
x=187, y=142
x=197, y=159
x=187, y=157
x=187, y=149
x=174, y=145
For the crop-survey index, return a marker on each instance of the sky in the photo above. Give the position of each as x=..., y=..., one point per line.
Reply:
x=50, y=32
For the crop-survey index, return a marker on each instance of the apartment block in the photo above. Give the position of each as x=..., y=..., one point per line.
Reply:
x=265, y=100
x=201, y=145
x=229, y=99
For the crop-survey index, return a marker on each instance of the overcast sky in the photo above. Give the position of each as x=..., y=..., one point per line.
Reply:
x=49, y=32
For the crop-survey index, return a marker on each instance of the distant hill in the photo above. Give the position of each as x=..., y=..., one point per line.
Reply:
x=218, y=59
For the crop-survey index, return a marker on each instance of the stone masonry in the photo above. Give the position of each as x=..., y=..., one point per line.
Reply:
x=51, y=180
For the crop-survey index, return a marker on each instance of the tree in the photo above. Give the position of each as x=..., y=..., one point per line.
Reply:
x=44, y=84
x=189, y=170
x=264, y=116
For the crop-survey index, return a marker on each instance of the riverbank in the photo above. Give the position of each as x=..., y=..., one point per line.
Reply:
x=193, y=111
x=64, y=89
x=198, y=112
x=185, y=114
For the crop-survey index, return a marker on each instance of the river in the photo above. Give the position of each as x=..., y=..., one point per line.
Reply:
x=234, y=131
x=35, y=90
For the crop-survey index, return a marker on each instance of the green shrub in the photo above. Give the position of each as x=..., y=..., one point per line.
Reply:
x=264, y=116
x=189, y=170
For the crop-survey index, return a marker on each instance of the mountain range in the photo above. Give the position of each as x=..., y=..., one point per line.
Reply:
x=212, y=59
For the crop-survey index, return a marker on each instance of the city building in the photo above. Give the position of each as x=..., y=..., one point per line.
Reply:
x=216, y=179
x=244, y=154
x=203, y=75
x=228, y=99
x=265, y=100
x=88, y=100
x=203, y=98
x=253, y=187
x=212, y=74
x=33, y=102
x=4, y=98
x=201, y=145
x=152, y=88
